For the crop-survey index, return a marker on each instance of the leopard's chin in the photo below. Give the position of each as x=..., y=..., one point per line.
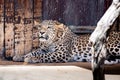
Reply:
x=42, y=40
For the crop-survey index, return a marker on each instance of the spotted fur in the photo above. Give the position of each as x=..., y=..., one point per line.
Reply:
x=59, y=44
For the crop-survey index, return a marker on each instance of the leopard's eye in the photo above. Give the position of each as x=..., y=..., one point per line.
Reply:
x=49, y=26
x=39, y=27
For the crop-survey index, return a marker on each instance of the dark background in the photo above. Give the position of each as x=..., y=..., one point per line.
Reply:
x=75, y=12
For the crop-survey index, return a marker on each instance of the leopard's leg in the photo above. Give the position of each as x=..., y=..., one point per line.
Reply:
x=32, y=56
x=18, y=57
x=57, y=56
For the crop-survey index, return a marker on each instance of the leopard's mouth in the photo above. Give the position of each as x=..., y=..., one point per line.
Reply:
x=43, y=37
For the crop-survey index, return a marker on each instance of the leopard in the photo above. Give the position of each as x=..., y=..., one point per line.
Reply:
x=60, y=44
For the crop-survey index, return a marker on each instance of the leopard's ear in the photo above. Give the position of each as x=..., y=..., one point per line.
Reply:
x=37, y=27
x=36, y=23
x=60, y=27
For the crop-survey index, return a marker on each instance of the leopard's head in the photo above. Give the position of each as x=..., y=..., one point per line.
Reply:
x=50, y=31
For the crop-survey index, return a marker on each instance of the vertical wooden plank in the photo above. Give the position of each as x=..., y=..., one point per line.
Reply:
x=27, y=14
x=9, y=28
x=1, y=28
x=28, y=22
x=37, y=19
x=83, y=12
x=19, y=28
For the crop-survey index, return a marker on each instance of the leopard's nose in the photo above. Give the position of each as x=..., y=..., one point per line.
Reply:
x=42, y=32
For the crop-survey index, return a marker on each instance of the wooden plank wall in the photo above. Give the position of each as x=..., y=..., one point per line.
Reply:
x=1, y=28
x=37, y=19
x=9, y=27
x=74, y=12
x=19, y=26
x=17, y=20
x=82, y=14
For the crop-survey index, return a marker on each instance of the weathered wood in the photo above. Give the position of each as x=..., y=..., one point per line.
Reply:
x=37, y=15
x=28, y=22
x=18, y=34
x=19, y=28
x=9, y=28
x=99, y=37
x=1, y=28
x=105, y=22
x=74, y=12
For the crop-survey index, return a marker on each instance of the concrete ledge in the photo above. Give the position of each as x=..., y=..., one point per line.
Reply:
x=29, y=72
x=44, y=73
x=109, y=69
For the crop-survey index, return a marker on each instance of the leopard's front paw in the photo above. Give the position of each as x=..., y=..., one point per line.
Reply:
x=30, y=59
x=18, y=58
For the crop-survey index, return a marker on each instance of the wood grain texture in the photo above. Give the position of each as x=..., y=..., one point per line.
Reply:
x=1, y=28
x=20, y=33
